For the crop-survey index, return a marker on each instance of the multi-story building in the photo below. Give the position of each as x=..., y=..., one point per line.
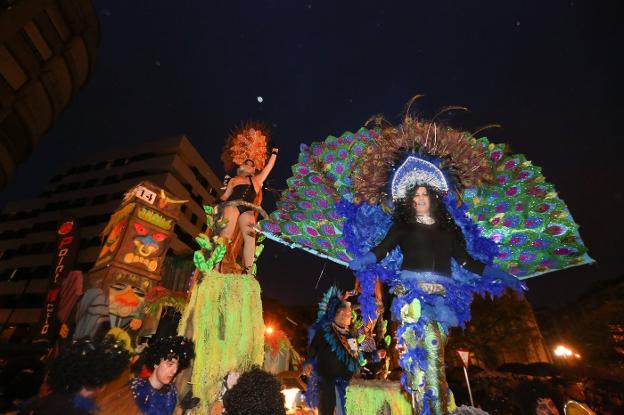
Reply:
x=90, y=192
x=47, y=53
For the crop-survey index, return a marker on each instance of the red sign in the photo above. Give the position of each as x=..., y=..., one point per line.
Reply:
x=464, y=355
x=65, y=257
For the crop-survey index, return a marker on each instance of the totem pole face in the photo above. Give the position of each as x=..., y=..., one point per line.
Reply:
x=421, y=201
x=125, y=300
x=147, y=247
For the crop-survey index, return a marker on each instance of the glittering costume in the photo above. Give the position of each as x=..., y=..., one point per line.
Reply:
x=503, y=217
x=244, y=192
x=154, y=401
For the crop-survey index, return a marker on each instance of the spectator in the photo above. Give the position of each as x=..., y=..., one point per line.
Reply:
x=576, y=400
x=537, y=398
x=153, y=391
x=256, y=393
x=77, y=375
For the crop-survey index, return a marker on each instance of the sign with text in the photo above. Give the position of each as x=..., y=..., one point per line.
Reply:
x=145, y=194
x=66, y=254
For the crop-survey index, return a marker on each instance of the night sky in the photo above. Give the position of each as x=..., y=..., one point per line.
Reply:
x=548, y=71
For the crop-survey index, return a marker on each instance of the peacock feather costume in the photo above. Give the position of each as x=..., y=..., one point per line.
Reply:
x=339, y=204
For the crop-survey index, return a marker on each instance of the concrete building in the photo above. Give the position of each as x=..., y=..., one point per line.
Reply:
x=90, y=192
x=47, y=53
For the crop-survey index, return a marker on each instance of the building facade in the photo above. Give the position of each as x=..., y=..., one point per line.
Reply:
x=90, y=192
x=47, y=53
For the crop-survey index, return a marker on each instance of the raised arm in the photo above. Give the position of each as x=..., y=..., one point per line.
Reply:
x=261, y=177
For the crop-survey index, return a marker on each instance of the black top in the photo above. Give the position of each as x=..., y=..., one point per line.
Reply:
x=245, y=192
x=427, y=248
x=328, y=365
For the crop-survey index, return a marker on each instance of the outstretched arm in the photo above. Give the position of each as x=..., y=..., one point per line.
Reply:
x=261, y=177
x=377, y=253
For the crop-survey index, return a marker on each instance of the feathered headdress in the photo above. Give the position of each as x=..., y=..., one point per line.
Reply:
x=328, y=306
x=433, y=148
x=246, y=143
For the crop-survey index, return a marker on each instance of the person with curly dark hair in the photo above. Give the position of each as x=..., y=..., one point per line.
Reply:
x=429, y=240
x=152, y=391
x=77, y=375
x=256, y=393
x=427, y=235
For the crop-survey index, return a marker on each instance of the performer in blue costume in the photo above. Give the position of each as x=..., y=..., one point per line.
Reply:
x=333, y=354
x=435, y=214
x=429, y=240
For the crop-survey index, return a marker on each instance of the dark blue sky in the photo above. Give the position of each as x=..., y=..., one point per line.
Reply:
x=548, y=71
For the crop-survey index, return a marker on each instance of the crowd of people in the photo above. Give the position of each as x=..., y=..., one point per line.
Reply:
x=103, y=377
x=507, y=394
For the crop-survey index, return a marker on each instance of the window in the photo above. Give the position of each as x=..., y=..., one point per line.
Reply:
x=89, y=183
x=193, y=219
x=84, y=168
x=100, y=165
x=120, y=162
x=79, y=202
x=185, y=238
x=10, y=70
x=99, y=199
x=143, y=156
x=57, y=20
x=35, y=40
x=134, y=174
x=56, y=178
x=73, y=186
x=110, y=180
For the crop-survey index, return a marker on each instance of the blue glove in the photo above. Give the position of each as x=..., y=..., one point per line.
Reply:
x=506, y=278
x=362, y=262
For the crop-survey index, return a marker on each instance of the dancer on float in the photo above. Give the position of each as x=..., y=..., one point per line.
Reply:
x=243, y=193
x=429, y=239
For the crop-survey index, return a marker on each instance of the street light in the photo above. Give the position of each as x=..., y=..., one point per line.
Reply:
x=269, y=330
x=565, y=352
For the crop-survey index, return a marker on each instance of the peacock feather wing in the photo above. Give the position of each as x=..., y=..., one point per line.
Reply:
x=307, y=212
x=521, y=212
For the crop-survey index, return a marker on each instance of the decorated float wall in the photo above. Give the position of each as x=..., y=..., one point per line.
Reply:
x=136, y=241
